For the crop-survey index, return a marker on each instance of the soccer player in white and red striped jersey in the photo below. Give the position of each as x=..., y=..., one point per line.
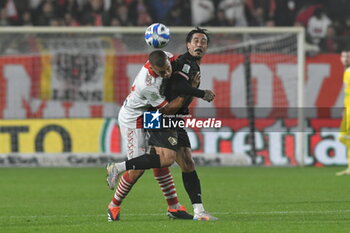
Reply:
x=145, y=94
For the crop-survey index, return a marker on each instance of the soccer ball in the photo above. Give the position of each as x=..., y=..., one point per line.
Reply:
x=157, y=35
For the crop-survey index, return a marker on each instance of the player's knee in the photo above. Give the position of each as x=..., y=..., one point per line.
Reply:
x=169, y=159
x=135, y=174
x=188, y=165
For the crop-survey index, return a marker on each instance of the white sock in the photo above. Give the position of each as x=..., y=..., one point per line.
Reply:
x=121, y=166
x=198, y=208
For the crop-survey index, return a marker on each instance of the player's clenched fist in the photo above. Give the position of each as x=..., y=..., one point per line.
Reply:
x=208, y=95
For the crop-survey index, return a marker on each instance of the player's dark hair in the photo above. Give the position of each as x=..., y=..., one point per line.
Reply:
x=197, y=30
x=157, y=58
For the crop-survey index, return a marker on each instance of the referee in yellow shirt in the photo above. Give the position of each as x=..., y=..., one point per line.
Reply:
x=345, y=124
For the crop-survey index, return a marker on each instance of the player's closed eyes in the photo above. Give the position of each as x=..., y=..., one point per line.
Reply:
x=203, y=41
x=164, y=72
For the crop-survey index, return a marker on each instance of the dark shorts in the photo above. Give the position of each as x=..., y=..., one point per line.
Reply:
x=169, y=138
x=183, y=140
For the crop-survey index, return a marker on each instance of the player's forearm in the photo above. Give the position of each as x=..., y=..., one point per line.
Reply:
x=173, y=106
x=191, y=91
x=184, y=88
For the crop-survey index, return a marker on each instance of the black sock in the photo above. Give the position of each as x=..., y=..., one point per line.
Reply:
x=142, y=162
x=192, y=186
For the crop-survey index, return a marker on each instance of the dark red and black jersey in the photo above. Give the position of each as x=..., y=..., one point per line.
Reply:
x=185, y=67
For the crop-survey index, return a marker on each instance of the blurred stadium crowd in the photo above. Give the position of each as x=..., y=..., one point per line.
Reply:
x=327, y=22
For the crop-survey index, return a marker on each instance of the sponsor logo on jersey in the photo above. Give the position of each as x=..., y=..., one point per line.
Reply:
x=186, y=68
x=172, y=140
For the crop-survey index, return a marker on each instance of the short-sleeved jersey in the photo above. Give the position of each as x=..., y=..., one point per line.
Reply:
x=185, y=66
x=143, y=96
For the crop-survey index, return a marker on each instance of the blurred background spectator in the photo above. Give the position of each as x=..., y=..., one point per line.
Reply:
x=159, y=9
x=4, y=18
x=46, y=14
x=260, y=11
x=285, y=12
x=179, y=14
x=317, y=26
x=202, y=11
x=139, y=13
x=234, y=12
x=327, y=22
x=93, y=13
x=118, y=15
x=329, y=43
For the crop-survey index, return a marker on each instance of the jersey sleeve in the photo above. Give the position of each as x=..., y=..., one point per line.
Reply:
x=184, y=70
x=154, y=98
x=181, y=86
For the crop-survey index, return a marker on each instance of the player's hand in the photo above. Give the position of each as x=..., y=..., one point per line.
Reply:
x=196, y=80
x=208, y=95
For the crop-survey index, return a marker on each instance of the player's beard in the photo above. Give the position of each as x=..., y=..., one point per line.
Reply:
x=198, y=57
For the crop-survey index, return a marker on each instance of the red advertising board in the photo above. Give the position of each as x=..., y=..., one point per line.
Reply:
x=30, y=88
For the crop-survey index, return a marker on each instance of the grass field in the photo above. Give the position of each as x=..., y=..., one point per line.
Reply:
x=246, y=199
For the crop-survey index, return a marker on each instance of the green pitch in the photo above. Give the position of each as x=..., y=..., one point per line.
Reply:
x=246, y=199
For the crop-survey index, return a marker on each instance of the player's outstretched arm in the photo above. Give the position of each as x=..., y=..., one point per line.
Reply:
x=182, y=87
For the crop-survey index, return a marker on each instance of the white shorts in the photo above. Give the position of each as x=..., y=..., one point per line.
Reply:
x=134, y=140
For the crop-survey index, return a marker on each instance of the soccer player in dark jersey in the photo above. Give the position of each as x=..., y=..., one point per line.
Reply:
x=145, y=94
x=185, y=69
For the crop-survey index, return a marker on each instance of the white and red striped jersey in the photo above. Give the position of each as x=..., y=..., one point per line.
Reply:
x=144, y=94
